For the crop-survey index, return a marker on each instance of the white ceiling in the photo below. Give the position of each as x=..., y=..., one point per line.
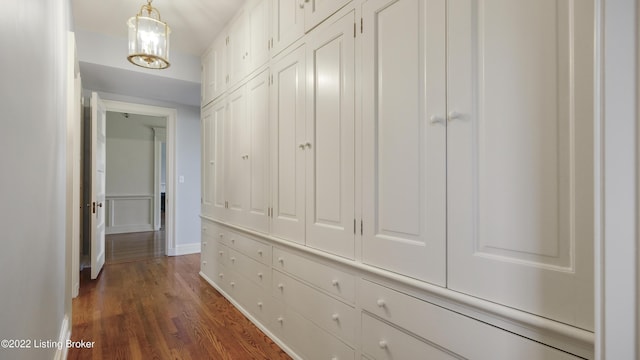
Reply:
x=194, y=23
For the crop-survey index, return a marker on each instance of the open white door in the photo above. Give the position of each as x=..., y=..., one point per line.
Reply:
x=98, y=167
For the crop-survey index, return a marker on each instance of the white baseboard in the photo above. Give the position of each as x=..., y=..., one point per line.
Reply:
x=184, y=249
x=255, y=321
x=65, y=334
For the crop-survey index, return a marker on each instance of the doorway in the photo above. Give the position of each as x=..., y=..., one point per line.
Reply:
x=135, y=187
x=168, y=138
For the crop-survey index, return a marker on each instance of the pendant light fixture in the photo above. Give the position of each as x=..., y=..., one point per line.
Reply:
x=148, y=39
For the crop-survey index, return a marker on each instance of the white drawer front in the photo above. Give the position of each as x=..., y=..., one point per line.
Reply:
x=252, y=298
x=255, y=271
x=326, y=278
x=219, y=252
x=209, y=228
x=218, y=275
x=459, y=334
x=333, y=315
x=307, y=339
x=381, y=341
x=250, y=247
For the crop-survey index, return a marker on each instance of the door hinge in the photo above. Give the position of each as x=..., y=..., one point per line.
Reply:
x=361, y=25
x=354, y=29
x=271, y=79
x=361, y=228
x=354, y=226
x=93, y=207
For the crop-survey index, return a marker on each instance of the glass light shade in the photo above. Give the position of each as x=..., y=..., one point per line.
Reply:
x=148, y=42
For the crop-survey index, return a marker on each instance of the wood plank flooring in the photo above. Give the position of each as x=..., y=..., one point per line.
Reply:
x=162, y=309
x=127, y=247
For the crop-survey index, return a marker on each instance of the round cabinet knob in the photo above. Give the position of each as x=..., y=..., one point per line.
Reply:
x=382, y=344
x=204, y=263
x=335, y=283
x=280, y=286
x=435, y=119
x=259, y=304
x=301, y=146
x=260, y=252
x=281, y=260
x=233, y=259
x=308, y=145
x=335, y=317
x=232, y=284
x=233, y=240
x=280, y=320
x=221, y=235
x=260, y=275
x=380, y=303
x=221, y=275
x=204, y=243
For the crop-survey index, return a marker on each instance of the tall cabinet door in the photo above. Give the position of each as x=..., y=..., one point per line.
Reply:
x=217, y=76
x=217, y=140
x=330, y=136
x=237, y=49
x=288, y=150
x=237, y=157
x=208, y=161
x=258, y=152
x=520, y=155
x=403, y=155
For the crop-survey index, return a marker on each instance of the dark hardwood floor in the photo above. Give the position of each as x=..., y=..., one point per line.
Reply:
x=127, y=247
x=161, y=309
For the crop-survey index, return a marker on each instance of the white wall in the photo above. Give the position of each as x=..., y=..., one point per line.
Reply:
x=187, y=224
x=130, y=173
x=33, y=36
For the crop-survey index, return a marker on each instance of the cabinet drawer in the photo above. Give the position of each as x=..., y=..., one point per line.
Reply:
x=218, y=252
x=218, y=274
x=250, y=296
x=332, y=315
x=457, y=333
x=324, y=277
x=255, y=271
x=307, y=339
x=382, y=341
x=210, y=229
x=250, y=247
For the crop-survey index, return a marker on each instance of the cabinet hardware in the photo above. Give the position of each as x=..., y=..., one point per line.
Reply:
x=382, y=344
x=354, y=30
x=454, y=115
x=301, y=5
x=335, y=317
x=361, y=25
x=335, y=283
x=436, y=120
x=301, y=146
x=354, y=226
x=361, y=228
x=308, y=145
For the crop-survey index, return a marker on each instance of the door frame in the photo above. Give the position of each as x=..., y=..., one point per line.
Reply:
x=171, y=115
x=159, y=137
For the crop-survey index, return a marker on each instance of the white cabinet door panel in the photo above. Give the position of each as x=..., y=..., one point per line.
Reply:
x=218, y=135
x=404, y=159
x=237, y=181
x=208, y=161
x=288, y=23
x=237, y=49
x=258, y=152
x=259, y=35
x=288, y=151
x=520, y=155
x=330, y=151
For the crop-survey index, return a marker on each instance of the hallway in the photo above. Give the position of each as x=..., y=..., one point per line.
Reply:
x=162, y=309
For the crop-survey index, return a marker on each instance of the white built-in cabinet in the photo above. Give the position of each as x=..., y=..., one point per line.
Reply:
x=288, y=146
x=419, y=172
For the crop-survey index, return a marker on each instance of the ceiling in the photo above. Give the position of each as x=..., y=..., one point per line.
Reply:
x=194, y=25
